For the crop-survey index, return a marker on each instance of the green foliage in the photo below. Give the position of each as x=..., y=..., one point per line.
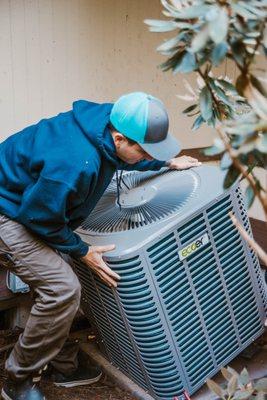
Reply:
x=239, y=386
x=208, y=32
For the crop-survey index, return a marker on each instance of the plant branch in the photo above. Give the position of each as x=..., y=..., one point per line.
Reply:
x=243, y=171
x=257, y=248
x=210, y=88
x=256, y=46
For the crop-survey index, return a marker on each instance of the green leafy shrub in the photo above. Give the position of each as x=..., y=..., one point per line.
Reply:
x=208, y=32
x=239, y=386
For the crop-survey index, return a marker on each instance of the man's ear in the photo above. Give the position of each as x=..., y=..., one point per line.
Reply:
x=118, y=138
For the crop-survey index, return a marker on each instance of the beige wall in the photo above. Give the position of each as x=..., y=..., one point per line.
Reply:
x=56, y=51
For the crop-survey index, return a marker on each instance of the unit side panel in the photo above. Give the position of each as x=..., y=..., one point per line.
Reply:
x=102, y=305
x=209, y=298
x=144, y=316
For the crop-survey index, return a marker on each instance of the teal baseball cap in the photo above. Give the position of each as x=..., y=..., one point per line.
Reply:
x=144, y=119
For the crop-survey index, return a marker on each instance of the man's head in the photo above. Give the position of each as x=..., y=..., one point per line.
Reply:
x=140, y=129
x=128, y=150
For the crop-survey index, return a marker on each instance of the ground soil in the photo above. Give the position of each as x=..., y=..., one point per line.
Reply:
x=105, y=389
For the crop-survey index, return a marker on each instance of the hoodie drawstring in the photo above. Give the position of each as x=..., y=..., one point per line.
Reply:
x=120, y=179
x=118, y=188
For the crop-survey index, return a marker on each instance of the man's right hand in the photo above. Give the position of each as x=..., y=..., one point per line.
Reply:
x=94, y=260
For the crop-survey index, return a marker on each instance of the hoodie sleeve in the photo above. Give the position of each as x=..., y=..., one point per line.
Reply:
x=44, y=210
x=154, y=165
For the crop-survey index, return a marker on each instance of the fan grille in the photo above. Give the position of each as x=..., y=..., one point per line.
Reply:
x=145, y=197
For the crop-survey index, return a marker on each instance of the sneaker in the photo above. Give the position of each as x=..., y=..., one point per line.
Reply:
x=22, y=390
x=82, y=376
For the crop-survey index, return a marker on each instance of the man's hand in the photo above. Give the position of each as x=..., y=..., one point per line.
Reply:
x=183, y=162
x=94, y=260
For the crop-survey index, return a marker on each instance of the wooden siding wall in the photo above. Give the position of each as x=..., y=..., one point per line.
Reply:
x=53, y=52
x=56, y=51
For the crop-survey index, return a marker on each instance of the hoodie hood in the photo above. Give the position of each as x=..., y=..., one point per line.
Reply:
x=93, y=119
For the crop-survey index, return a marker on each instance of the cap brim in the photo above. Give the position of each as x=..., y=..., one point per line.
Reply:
x=164, y=150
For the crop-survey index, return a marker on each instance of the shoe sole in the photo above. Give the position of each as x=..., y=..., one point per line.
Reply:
x=77, y=383
x=4, y=395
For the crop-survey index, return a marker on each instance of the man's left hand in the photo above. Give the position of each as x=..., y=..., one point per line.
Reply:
x=183, y=162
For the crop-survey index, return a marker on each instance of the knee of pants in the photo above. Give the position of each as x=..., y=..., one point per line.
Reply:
x=73, y=292
x=64, y=294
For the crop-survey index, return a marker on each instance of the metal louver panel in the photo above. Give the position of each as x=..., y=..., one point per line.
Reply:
x=110, y=323
x=143, y=315
x=174, y=320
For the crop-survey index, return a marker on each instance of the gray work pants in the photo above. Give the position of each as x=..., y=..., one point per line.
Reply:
x=57, y=298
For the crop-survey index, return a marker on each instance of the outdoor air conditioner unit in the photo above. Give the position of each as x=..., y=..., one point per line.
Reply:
x=191, y=295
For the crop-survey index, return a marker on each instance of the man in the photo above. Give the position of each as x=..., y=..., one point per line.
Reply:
x=51, y=176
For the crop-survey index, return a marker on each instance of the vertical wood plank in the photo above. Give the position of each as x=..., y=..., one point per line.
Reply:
x=6, y=72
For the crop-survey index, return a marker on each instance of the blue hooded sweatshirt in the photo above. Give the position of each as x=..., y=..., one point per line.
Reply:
x=53, y=173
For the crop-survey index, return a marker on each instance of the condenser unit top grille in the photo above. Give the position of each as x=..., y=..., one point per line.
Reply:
x=145, y=198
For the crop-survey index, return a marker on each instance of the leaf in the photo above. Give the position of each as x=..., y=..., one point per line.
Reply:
x=197, y=123
x=212, y=120
x=218, y=28
x=231, y=177
x=232, y=385
x=244, y=377
x=185, y=25
x=226, y=374
x=242, y=395
x=205, y=103
x=261, y=385
x=226, y=161
x=255, y=10
x=172, y=9
x=220, y=93
x=157, y=25
x=243, y=12
x=189, y=109
x=186, y=64
x=173, y=61
x=215, y=388
x=241, y=129
x=218, y=53
x=232, y=371
x=170, y=44
x=188, y=87
x=249, y=198
x=227, y=86
x=185, y=97
x=200, y=40
x=262, y=143
x=193, y=12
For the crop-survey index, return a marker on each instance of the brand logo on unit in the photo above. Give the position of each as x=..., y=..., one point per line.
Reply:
x=193, y=247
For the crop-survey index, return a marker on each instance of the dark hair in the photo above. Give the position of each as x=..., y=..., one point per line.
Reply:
x=112, y=128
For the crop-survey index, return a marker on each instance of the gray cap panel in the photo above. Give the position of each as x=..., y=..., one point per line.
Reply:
x=157, y=122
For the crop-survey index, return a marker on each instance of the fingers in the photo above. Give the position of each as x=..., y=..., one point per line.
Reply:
x=195, y=163
x=192, y=159
x=107, y=279
x=104, y=249
x=107, y=270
